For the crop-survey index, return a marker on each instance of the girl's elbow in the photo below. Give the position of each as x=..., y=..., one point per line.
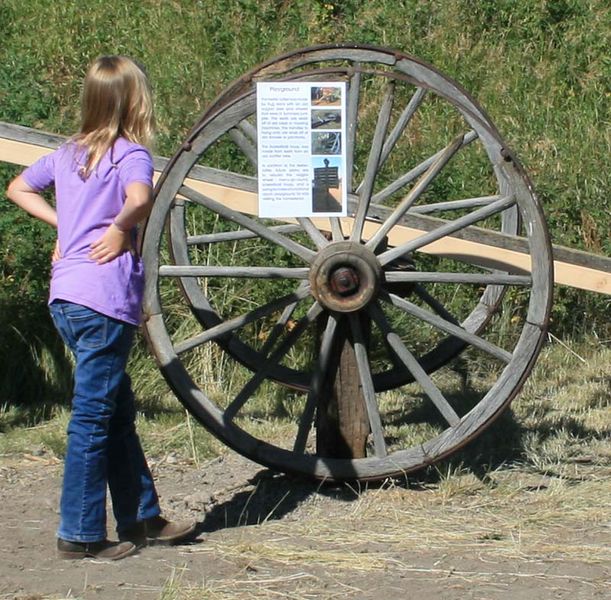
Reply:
x=16, y=187
x=143, y=205
x=140, y=197
x=11, y=189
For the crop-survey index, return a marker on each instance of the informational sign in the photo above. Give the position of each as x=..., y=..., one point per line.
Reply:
x=301, y=133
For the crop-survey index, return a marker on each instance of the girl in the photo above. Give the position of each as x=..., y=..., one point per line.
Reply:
x=103, y=187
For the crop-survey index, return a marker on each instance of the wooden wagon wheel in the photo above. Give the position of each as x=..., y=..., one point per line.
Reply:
x=319, y=65
x=267, y=291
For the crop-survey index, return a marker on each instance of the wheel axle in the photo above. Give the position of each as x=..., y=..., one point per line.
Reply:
x=344, y=281
x=345, y=276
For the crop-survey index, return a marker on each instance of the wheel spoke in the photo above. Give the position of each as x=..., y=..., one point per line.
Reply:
x=447, y=326
x=351, y=122
x=362, y=361
x=226, y=327
x=454, y=204
x=244, y=144
x=402, y=122
x=415, y=192
x=318, y=377
x=447, y=229
x=408, y=177
x=365, y=189
x=248, y=223
x=235, y=236
x=336, y=229
x=242, y=272
x=435, y=304
x=273, y=359
x=249, y=130
x=313, y=232
x=471, y=278
x=409, y=361
x=303, y=290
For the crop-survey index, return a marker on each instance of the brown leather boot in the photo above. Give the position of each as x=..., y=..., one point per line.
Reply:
x=104, y=550
x=158, y=530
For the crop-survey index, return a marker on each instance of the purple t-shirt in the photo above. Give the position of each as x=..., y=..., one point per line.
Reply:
x=85, y=208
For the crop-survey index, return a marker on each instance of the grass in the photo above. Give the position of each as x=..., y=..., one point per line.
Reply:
x=511, y=509
x=544, y=505
x=561, y=416
x=389, y=534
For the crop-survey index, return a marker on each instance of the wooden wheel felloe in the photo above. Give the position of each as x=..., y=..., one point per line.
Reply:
x=403, y=278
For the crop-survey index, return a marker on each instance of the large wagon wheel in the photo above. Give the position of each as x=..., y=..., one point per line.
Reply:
x=270, y=293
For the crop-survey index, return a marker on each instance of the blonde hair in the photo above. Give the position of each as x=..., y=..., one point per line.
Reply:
x=116, y=102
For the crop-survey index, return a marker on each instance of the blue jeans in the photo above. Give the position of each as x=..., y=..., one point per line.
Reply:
x=103, y=447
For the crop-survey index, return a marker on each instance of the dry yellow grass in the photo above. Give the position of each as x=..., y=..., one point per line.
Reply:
x=518, y=522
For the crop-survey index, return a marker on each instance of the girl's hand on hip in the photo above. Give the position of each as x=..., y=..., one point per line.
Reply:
x=56, y=252
x=110, y=245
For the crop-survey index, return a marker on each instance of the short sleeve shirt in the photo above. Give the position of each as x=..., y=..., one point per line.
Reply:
x=86, y=206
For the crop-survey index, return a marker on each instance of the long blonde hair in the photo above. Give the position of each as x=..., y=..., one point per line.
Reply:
x=116, y=102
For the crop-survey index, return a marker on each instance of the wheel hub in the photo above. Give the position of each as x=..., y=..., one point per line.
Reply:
x=345, y=276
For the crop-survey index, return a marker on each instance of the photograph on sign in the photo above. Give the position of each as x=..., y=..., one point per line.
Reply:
x=301, y=154
x=326, y=119
x=326, y=187
x=326, y=94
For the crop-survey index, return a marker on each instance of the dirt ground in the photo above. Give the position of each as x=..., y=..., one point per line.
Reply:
x=248, y=519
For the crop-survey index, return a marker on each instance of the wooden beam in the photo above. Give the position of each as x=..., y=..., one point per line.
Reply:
x=23, y=146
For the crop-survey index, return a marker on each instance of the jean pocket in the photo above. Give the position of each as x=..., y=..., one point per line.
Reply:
x=90, y=329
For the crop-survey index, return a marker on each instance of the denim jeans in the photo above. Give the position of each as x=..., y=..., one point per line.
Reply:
x=103, y=447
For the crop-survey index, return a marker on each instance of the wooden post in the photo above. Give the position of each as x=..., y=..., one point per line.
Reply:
x=342, y=425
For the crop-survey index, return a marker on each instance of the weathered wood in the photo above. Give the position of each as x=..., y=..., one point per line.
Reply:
x=429, y=175
x=248, y=223
x=447, y=326
x=245, y=145
x=425, y=209
x=302, y=291
x=294, y=60
x=446, y=230
x=472, y=278
x=411, y=364
x=407, y=178
x=231, y=325
x=317, y=393
x=438, y=307
x=402, y=123
x=367, y=387
x=275, y=357
x=354, y=91
x=313, y=232
x=514, y=363
x=373, y=160
x=235, y=236
x=336, y=229
x=574, y=268
x=342, y=423
x=216, y=271
x=249, y=130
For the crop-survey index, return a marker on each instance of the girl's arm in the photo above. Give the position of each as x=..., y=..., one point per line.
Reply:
x=117, y=238
x=31, y=201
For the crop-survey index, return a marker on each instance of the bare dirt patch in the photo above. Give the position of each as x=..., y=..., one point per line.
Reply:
x=263, y=535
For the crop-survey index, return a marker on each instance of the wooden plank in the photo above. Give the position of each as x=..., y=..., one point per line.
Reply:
x=342, y=423
x=574, y=268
